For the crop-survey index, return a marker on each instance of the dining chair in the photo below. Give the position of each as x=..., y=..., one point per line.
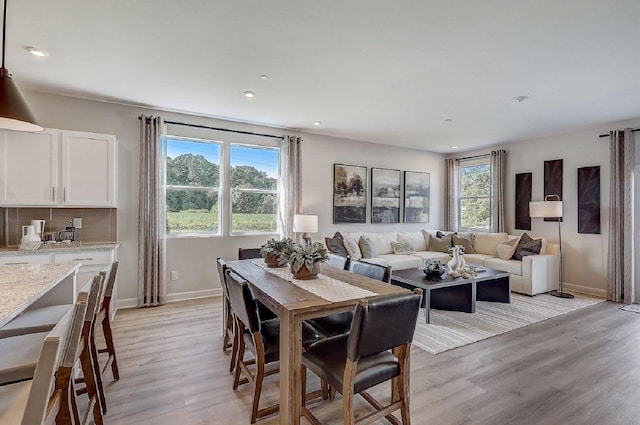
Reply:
x=354, y=362
x=40, y=400
x=338, y=261
x=230, y=338
x=262, y=338
x=374, y=271
x=104, y=319
x=248, y=253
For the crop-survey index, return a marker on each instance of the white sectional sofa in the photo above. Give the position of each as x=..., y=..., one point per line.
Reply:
x=533, y=275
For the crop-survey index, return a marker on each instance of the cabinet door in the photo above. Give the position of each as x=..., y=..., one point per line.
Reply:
x=29, y=168
x=88, y=169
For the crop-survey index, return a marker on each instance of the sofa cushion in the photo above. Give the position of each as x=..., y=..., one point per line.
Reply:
x=336, y=245
x=366, y=247
x=402, y=248
x=511, y=266
x=465, y=240
x=477, y=258
x=352, y=248
x=426, y=234
x=416, y=239
x=400, y=261
x=527, y=246
x=506, y=249
x=381, y=242
x=442, y=244
x=486, y=243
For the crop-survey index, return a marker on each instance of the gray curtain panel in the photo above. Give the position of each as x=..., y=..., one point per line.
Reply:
x=498, y=182
x=290, y=183
x=620, y=285
x=152, y=215
x=450, y=218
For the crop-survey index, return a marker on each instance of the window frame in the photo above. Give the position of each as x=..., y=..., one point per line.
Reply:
x=485, y=160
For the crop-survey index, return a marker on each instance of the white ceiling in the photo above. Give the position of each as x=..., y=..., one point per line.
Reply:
x=378, y=70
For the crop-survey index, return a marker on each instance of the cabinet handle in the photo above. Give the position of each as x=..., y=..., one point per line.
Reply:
x=13, y=264
x=82, y=259
x=54, y=194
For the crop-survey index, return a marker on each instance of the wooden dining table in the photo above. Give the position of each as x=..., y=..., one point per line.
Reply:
x=293, y=304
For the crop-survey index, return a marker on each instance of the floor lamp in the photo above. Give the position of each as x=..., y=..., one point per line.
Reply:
x=305, y=224
x=551, y=209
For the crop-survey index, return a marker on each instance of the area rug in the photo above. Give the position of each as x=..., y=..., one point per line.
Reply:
x=635, y=308
x=452, y=329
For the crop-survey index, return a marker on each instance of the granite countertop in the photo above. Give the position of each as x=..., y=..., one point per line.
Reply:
x=23, y=284
x=82, y=248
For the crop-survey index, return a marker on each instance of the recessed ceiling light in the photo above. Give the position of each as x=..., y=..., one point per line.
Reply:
x=317, y=123
x=264, y=77
x=448, y=120
x=249, y=93
x=37, y=52
x=454, y=147
x=519, y=99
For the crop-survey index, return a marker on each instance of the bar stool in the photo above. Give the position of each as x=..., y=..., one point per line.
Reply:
x=104, y=318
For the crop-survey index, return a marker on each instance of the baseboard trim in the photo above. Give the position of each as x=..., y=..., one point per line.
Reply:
x=178, y=296
x=584, y=289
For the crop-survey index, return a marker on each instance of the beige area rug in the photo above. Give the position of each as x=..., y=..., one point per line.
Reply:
x=452, y=329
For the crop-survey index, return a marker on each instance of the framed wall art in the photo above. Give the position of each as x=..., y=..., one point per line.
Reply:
x=553, y=182
x=523, y=197
x=385, y=195
x=416, y=197
x=349, y=194
x=589, y=200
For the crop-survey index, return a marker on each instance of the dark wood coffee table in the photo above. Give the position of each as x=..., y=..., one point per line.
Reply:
x=456, y=294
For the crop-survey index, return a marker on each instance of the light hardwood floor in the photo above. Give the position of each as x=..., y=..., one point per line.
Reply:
x=581, y=368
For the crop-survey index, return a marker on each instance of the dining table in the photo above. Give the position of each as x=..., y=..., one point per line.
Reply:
x=334, y=291
x=29, y=286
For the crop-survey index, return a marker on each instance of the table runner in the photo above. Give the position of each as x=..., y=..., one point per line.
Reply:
x=330, y=289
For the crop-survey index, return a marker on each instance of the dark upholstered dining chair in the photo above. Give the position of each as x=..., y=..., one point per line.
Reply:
x=228, y=323
x=353, y=362
x=262, y=338
x=248, y=253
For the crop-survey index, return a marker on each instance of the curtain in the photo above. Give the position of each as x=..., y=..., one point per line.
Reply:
x=498, y=181
x=620, y=285
x=290, y=183
x=152, y=215
x=450, y=194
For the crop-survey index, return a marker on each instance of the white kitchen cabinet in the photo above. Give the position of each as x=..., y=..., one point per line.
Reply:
x=24, y=259
x=56, y=168
x=88, y=165
x=29, y=168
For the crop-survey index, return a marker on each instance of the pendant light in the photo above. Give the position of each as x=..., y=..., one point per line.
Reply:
x=14, y=112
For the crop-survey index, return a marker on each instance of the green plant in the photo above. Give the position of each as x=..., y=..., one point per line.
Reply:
x=307, y=256
x=279, y=247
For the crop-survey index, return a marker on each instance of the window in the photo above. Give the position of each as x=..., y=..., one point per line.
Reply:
x=254, y=189
x=193, y=185
x=474, y=201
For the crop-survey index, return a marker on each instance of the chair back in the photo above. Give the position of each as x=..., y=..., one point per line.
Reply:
x=222, y=271
x=105, y=301
x=382, y=323
x=248, y=253
x=338, y=262
x=374, y=271
x=242, y=301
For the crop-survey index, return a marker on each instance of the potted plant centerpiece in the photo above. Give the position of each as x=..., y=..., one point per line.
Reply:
x=432, y=268
x=276, y=252
x=305, y=260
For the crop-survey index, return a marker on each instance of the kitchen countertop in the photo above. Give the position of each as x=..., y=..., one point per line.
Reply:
x=23, y=284
x=82, y=248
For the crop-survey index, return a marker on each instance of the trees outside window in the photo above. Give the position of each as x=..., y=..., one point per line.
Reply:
x=474, y=202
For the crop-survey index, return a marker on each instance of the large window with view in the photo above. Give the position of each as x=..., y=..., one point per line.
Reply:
x=474, y=201
x=254, y=188
x=193, y=186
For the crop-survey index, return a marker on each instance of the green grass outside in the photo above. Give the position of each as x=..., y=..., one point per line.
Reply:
x=199, y=221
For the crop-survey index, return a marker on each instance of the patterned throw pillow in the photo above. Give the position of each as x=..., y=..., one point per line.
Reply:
x=353, y=249
x=336, y=245
x=442, y=244
x=506, y=249
x=402, y=248
x=527, y=246
x=466, y=241
x=366, y=247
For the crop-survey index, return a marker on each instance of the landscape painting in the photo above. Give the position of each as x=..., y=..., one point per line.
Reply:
x=349, y=194
x=416, y=197
x=385, y=195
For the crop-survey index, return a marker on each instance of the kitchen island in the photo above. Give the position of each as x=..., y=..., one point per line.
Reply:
x=25, y=286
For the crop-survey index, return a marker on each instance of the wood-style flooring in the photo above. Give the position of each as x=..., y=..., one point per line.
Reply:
x=581, y=368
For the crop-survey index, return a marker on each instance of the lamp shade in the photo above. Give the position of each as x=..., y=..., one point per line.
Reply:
x=14, y=112
x=545, y=209
x=305, y=223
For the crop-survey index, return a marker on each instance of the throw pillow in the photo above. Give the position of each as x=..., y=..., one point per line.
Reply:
x=506, y=249
x=336, y=245
x=402, y=248
x=442, y=244
x=366, y=247
x=466, y=241
x=352, y=248
x=426, y=235
x=527, y=246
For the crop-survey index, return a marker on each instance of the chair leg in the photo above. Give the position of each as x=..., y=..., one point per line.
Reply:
x=92, y=391
x=347, y=392
x=257, y=390
x=303, y=384
x=93, y=349
x=234, y=347
x=403, y=384
x=111, y=349
x=236, y=367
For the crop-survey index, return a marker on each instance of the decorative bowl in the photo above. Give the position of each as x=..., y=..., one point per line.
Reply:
x=437, y=274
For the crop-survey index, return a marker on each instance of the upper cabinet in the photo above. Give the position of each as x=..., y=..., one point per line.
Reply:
x=57, y=168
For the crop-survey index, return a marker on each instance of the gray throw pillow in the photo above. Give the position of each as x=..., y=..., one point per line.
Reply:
x=527, y=246
x=336, y=245
x=366, y=247
x=466, y=241
x=442, y=244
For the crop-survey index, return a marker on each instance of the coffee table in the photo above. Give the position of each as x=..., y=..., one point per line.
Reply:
x=456, y=293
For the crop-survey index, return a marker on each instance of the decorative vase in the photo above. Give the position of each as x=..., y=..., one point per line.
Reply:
x=457, y=261
x=271, y=260
x=305, y=274
x=434, y=275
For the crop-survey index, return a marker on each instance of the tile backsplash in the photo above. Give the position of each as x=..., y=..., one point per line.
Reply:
x=98, y=224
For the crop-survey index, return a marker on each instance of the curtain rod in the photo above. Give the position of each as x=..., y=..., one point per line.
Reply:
x=473, y=157
x=607, y=135
x=251, y=133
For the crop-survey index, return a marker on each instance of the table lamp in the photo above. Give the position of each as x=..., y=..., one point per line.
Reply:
x=303, y=223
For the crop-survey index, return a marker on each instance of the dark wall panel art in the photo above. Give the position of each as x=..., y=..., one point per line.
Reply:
x=553, y=181
x=589, y=200
x=523, y=197
x=385, y=195
x=349, y=194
